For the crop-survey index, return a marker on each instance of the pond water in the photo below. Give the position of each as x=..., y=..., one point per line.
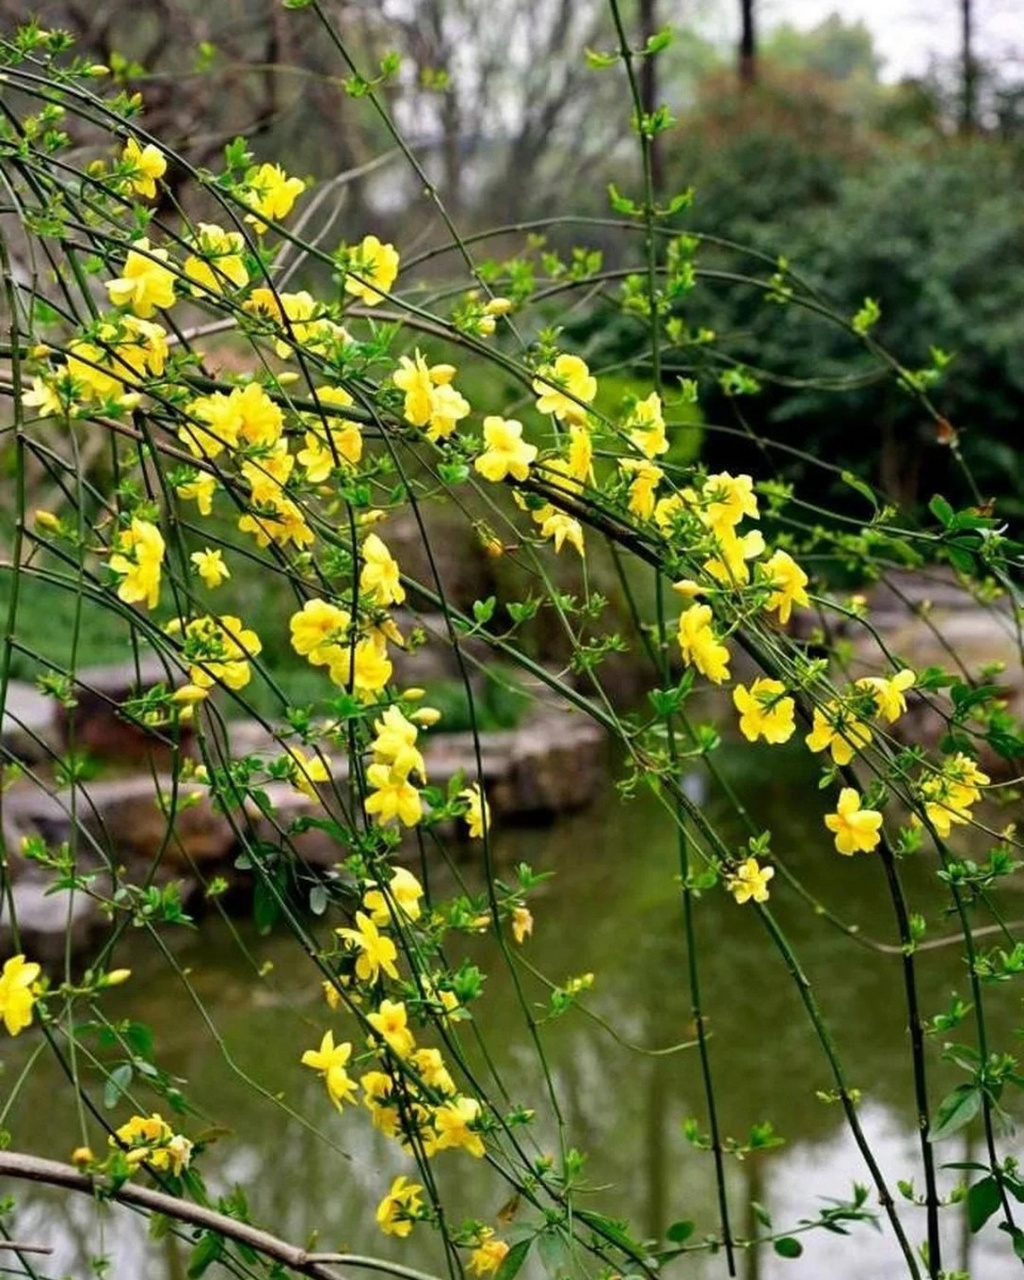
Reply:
x=612, y=908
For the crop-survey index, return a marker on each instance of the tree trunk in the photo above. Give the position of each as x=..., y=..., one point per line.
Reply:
x=968, y=105
x=748, y=43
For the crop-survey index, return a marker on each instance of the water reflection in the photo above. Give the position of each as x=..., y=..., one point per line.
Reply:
x=614, y=910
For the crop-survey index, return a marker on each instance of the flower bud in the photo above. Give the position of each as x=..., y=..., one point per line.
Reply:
x=426, y=716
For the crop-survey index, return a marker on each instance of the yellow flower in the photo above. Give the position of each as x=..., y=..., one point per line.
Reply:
x=391, y=1022
x=854, y=828
x=488, y=1256
x=565, y=388
x=218, y=260
x=146, y=283
x=727, y=500
x=522, y=924
x=452, y=1121
x=478, y=813
x=646, y=478
x=788, y=581
x=332, y=442
x=699, y=644
x=562, y=528
x=414, y=378
x=378, y=1088
x=270, y=193
x=372, y=270
x=648, y=427
x=18, y=992
x=839, y=731
x=260, y=420
x=950, y=794
x=210, y=567
x=750, y=882
x=395, y=744
x=151, y=1140
x=581, y=455
x=44, y=397
x=375, y=951
x=447, y=409
x=301, y=319
x=765, y=711
x=888, y=694
x=730, y=566
x=87, y=365
x=507, y=453
x=380, y=573
x=139, y=557
x=214, y=423
x=317, y=628
x=400, y=1208
x=308, y=771
x=368, y=669
x=219, y=650
x=147, y=163
x=393, y=797
x=404, y=890
x=330, y=1060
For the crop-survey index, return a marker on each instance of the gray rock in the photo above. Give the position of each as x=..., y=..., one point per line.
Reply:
x=28, y=731
x=48, y=922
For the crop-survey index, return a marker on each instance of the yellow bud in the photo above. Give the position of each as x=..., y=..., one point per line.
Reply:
x=426, y=716
x=189, y=694
x=415, y=694
x=39, y=351
x=46, y=519
x=499, y=307
x=372, y=517
x=115, y=977
x=486, y=326
x=95, y=168
x=97, y=71
x=493, y=548
x=82, y=1156
x=687, y=588
x=288, y=378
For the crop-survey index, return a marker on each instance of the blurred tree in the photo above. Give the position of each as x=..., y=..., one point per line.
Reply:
x=834, y=49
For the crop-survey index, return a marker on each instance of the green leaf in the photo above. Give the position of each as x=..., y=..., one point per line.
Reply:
x=1016, y=1235
x=554, y=1252
x=660, y=40
x=863, y=489
x=266, y=908
x=611, y=1228
x=513, y=1260
x=956, y=1110
x=597, y=60
x=983, y=1200
x=205, y=1254
x=680, y=1231
x=117, y=1084
x=788, y=1247
x=761, y=1214
x=483, y=610
x=941, y=510
x=621, y=203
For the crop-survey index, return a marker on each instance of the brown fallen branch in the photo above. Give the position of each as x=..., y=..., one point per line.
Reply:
x=319, y=1266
